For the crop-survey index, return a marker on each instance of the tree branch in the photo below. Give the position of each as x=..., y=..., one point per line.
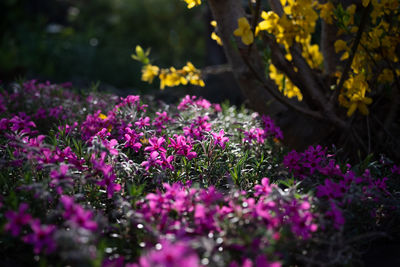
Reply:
x=349, y=62
x=283, y=100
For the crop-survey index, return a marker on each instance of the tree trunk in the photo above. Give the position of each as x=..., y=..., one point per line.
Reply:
x=299, y=130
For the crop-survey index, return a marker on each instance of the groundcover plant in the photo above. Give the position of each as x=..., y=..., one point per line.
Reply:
x=92, y=179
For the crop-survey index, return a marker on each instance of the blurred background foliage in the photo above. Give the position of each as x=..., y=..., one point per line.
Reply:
x=92, y=40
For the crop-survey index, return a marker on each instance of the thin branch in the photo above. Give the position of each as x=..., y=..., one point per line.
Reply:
x=214, y=70
x=345, y=73
x=256, y=16
x=279, y=97
x=286, y=67
x=367, y=236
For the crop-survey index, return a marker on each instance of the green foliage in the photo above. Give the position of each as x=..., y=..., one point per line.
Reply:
x=86, y=41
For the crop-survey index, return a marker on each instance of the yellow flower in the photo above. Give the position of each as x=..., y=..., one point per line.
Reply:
x=312, y=55
x=356, y=88
x=270, y=21
x=192, y=3
x=359, y=103
x=193, y=74
x=162, y=77
x=340, y=45
x=284, y=84
x=102, y=116
x=216, y=38
x=149, y=72
x=327, y=12
x=190, y=67
x=244, y=31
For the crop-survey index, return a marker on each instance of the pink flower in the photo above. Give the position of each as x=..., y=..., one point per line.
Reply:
x=220, y=139
x=132, y=139
x=60, y=176
x=155, y=144
x=77, y=215
x=42, y=237
x=182, y=147
x=151, y=161
x=16, y=220
x=170, y=255
x=142, y=122
x=264, y=189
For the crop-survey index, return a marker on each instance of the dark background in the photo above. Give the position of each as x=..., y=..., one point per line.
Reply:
x=89, y=41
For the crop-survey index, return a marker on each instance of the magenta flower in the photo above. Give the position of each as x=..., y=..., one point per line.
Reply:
x=17, y=219
x=160, y=120
x=264, y=189
x=155, y=144
x=271, y=129
x=186, y=102
x=22, y=123
x=336, y=214
x=108, y=183
x=110, y=146
x=396, y=169
x=77, y=215
x=132, y=139
x=256, y=134
x=60, y=176
x=220, y=139
x=165, y=161
x=143, y=122
x=170, y=255
x=151, y=161
x=103, y=134
x=182, y=147
x=41, y=238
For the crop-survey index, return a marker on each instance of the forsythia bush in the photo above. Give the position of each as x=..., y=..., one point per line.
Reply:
x=98, y=180
x=339, y=59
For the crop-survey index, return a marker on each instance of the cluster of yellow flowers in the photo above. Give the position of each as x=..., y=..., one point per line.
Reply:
x=214, y=35
x=284, y=84
x=192, y=3
x=375, y=59
x=172, y=77
x=296, y=24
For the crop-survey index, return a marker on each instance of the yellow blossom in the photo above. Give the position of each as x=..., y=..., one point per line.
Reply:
x=327, y=12
x=270, y=21
x=340, y=45
x=149, y=72
x=192, y=3
x=356, y=88
x=284, y=84
x=102, y=116
x=214, y=36
x=244, y=31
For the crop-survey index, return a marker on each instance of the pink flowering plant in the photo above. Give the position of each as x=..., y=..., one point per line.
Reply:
x=92, y=179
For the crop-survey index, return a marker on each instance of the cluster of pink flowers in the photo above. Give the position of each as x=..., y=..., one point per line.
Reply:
x=186, y=212
x=183, y=146
x=193, y=101
x=41, y=236
x=198, y=128
x=76, y=215
x=270, y=129
x=338, y=183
